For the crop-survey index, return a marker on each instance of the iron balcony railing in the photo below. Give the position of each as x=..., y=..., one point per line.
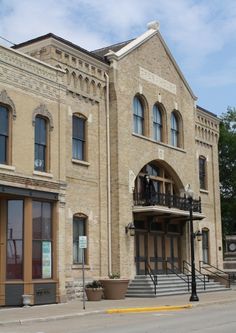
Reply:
x=165, y=199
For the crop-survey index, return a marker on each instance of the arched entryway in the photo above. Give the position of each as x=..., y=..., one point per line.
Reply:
x=158, y=220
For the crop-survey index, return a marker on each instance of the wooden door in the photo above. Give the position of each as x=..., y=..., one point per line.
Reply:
x=140, y=252
x=172, y=249
x=156, y=252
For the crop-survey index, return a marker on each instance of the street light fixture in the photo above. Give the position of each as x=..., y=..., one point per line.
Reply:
x=193, y=297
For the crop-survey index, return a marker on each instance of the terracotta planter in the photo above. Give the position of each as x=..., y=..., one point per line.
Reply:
x=115, y=288
x=94, y=294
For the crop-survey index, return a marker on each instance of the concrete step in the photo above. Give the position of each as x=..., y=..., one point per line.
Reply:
x=142, y=286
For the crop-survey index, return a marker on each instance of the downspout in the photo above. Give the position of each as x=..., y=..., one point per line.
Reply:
x=108, y=175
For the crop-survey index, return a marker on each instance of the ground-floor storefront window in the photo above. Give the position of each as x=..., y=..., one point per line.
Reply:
x=42, y=240
x=28, y=246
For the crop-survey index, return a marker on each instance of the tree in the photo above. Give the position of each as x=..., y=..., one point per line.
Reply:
x=227, y=164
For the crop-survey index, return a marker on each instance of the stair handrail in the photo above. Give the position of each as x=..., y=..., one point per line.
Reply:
x=205, y=276
x=153, y=276
x=175, y=272
x=216, y=272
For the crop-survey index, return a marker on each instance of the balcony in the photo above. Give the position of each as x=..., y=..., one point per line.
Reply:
x=166, y=200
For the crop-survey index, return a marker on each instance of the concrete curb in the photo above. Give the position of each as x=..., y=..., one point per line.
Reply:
x=118, y=310
x=151, y=309
x=50, y=318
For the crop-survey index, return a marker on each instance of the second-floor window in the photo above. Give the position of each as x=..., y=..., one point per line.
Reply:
x=4, y=134
x=78, y=137
x=40, y=145
x=157, y=124
x=138, y=116
x=202, y=173
x=174, y=130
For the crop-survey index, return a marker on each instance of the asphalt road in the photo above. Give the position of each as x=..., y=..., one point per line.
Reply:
x=219, y=318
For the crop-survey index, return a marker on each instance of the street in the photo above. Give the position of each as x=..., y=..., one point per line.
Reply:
x=217, y=318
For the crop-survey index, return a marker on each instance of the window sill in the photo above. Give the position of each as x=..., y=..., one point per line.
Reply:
x=163, y=144
x=80, y=266
x=7, y=167
x=42, y=174
x=44, y=280
x=80, y=162
x=204, y=191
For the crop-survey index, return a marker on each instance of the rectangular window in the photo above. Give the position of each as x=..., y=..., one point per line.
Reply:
x=4, y=129
x=78, y=138
x=40, y=146
x=79, y=229
x=205, y=246
x=42, y=240
x=202, y=172
x=15, y=218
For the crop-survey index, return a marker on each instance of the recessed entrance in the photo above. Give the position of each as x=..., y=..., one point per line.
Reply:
x=160, y=249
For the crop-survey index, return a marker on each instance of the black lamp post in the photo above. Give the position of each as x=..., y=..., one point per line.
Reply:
x=193, y=297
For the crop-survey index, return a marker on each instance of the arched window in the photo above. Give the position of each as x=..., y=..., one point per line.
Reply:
x=138, y=116
x=41, y=158
x=79, y=229
x=157, y=123
x=156, y=179
x=78, y=137
x=174, y=130
x=4, y=135
x=202, y=173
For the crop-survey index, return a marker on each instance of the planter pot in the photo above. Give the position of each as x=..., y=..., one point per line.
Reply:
x=94, y=294
x=26, y=300
x=115, y=288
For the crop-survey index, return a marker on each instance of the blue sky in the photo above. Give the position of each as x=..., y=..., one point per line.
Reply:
x=201, y=34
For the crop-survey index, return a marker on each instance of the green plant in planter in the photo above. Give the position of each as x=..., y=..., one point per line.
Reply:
x=114, y=276
x=94, y=290
x=95, y=284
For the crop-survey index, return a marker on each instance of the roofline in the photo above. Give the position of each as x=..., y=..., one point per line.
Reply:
x=42, y=63
x=177, y=67
x=114, y=45
x=206, y=111
x=152, y=31
x=60, y=39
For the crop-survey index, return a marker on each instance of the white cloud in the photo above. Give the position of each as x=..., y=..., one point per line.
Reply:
x=196, y=30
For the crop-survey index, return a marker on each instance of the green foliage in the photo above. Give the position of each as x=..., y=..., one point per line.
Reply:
x=227, y=164
x=114, y=276
x=95, y=284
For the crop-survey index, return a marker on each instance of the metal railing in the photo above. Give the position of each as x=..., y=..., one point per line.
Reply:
x=149, y=271
x=215, y=272
x=187, y=267
x=151, y=198
x=175, y=271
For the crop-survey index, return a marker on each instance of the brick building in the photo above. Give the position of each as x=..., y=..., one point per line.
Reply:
x=93, y=143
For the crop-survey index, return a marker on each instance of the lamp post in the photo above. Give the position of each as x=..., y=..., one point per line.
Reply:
x=193, y=297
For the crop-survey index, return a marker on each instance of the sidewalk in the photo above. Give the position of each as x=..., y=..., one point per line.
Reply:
x=72, y=309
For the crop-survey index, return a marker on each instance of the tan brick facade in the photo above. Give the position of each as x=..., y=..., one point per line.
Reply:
x=65, y=80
